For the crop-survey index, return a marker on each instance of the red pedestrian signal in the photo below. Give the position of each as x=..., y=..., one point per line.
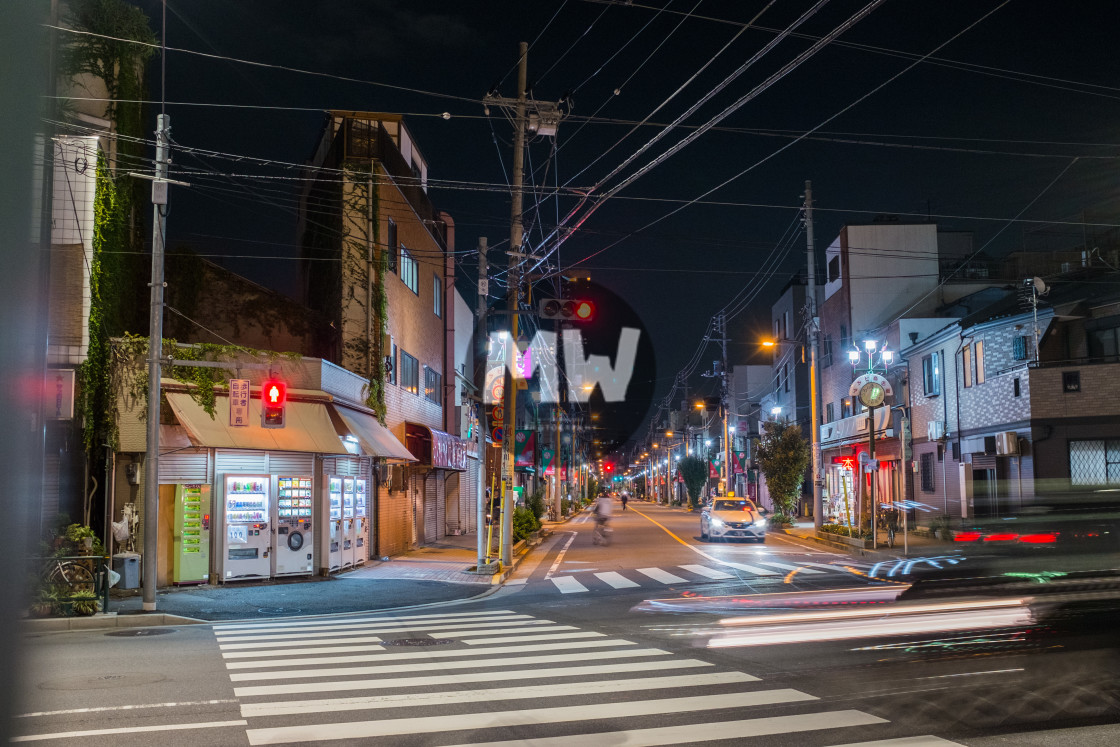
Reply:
x=584, y=310
x=274, y=394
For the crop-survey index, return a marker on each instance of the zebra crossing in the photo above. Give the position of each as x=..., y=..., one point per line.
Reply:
x=499, y=678
x=580, y=581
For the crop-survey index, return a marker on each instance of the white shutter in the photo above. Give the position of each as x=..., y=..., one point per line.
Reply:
x=187, y=466
x=246, y=462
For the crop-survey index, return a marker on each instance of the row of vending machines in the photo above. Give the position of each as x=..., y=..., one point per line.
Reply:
x=268, y=527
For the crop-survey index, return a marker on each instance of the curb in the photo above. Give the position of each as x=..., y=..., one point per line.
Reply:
x=103, y=621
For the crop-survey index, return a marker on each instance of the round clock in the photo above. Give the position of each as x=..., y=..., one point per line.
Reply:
x=872, y=394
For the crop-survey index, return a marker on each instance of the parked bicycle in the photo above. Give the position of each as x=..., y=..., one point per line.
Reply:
x=70, y=573
x=888, y=519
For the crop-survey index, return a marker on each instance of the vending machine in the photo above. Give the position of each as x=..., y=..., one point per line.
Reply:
x=334, y=501
x=349, y=533
x=294, y=540
x=191, y=535
x=247, y=541
x=361, y=520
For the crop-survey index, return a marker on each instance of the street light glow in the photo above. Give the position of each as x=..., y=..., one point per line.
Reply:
x=776, y=410
x=869, y=346
x=853, y=357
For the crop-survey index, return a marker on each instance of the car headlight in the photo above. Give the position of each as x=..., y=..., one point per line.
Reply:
x=760, y=523
x=715, y=522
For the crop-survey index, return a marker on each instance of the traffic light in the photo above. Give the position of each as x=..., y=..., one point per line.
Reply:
x=274, y=393
x=566, y=310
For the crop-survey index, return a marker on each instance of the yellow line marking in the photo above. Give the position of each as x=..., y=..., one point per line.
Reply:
x=790, y=575
x=849, y=569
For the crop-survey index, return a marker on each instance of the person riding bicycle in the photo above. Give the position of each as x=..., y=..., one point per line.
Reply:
x=603, y=508
x=625, y=497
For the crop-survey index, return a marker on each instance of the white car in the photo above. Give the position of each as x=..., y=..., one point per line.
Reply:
x=732, y=518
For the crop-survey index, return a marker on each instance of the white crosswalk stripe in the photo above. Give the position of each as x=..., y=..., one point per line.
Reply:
x=568, y=585
x=550, y=684
x=659, y=575
x=787, y=566
x=616, y=580
x=719, y=570
x=703, y=570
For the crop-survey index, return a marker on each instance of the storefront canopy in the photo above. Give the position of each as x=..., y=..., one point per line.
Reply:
x=307, y=427
x=436, y=448
x=374, y=438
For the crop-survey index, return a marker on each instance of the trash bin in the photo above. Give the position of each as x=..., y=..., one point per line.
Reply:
x=128, y=565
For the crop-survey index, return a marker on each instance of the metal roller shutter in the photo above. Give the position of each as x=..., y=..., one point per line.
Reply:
x=454, y=513
x=431, y=513
x=246, y=462
x=185, y=467
x=291, y=463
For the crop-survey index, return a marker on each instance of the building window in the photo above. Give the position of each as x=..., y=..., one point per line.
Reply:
x=410, y=373
x=1016, y=387
x=979, y=361
x=927, y=472
x=409, y=271
x=845, y=408
x=834, y=268
x=1094, y=462
x=829, y=413
x=956, y=451
x=785, y=376
x=431, y=385
x=966, y=358
x=391, y=364
x=1071, y=381
x=391, y=247
x=845, y=343
x=1019, y=348
x=437, y=294
x=826, y=357
x=931, y=375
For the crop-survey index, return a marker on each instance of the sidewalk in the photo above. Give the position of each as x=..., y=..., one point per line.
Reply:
x=375, y=586
x=917, y=546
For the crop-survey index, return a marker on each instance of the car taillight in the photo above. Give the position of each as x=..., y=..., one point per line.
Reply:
x=1042, y=538
x=967, y=537
x=1001, y=537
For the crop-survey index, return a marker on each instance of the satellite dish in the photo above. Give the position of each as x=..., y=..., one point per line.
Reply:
x=1040, y=286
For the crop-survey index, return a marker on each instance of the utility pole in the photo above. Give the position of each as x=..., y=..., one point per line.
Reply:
x=516, y=237
x=814, y=360
x=481, y=355
x=726, y=400
x=155, y=351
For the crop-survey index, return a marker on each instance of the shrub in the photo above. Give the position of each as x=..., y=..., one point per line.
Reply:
x=778, y=519
x=84, y=603
x=842, y=529
x=565, y=506
x=535, y=503
x=524, y=524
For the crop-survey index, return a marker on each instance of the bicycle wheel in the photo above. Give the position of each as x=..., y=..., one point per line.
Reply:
x=890, y=537
x=74, y=575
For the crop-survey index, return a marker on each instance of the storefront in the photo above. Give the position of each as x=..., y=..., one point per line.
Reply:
x=247, y=502
x=443, y=490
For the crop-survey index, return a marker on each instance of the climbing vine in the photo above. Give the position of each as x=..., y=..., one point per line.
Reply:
x=362, y=200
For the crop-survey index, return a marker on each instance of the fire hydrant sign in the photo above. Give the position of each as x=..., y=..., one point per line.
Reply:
x=239, y=402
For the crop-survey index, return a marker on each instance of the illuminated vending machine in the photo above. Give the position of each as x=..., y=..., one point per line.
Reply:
x=191, y=563
x=247, y=542
x=334, y=500
x=294, y=541
x=361, y=520
x=348, y=525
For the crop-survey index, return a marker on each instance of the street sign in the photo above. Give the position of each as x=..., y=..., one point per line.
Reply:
x=239, y=403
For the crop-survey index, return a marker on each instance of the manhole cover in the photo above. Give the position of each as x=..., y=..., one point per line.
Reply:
x=279, y=611
x=417, y=642
x=103, y=681
x=141, y=632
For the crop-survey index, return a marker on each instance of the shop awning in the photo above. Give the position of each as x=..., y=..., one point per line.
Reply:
x=307, y=427
x=374, y=438
x=436, y=448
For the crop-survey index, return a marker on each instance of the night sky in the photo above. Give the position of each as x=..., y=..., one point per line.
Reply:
x=970, y=136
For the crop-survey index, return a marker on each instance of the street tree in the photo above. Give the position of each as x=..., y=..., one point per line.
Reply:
x=694, y=470
x=783, y=456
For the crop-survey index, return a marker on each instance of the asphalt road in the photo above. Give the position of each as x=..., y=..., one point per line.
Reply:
x=587, y=645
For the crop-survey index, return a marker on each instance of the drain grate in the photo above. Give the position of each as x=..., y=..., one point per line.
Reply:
x=141, y=632
x=417, y=642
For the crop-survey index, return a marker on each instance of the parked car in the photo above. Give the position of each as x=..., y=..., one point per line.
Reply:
x=732, y=518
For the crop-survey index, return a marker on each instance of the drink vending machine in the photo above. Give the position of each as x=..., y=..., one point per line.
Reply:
x=348, y=526
x=334, y=500
x=247, y=541
x=361, y=520
x=191, y=564
x=294, y=540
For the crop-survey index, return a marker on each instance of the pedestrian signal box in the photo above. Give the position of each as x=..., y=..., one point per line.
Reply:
x=274, y=395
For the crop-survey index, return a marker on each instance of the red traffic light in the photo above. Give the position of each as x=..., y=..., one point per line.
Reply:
x=584, y=310
x=566, y=310
x=274, y=393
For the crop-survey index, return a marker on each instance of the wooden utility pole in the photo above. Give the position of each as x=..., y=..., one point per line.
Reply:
x=814, y=359
x=481, y=355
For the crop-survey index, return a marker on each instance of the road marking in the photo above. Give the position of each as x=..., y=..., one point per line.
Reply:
x=403, y=619
x=709, y=556
x=749, y=568
x=788, y=567
x=469, y=677
x=703, y=570
x=567, y=584
x=272, y=661
x=707, y=732
x=617, y=580
x=663, y=576
x=264, y=635
x=504, y=631
x=101, y=709
x=527, y=717
x=560, y=556
x=513, y=638
x=129, y=730
x=926, y=740
x=497, y=695
x=286, y=643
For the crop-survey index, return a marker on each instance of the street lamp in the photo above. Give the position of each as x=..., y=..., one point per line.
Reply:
x=871, y=388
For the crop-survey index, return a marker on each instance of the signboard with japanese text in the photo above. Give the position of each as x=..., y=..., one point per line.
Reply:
x=239, y=403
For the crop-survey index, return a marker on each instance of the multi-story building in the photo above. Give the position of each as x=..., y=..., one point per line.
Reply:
x=386, y=286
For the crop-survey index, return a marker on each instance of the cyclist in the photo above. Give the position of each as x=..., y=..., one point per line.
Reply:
x=625, y=497
x=603, y=508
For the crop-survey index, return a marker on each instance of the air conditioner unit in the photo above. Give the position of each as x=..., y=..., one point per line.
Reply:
x=1007, y=443
x=935, y=430
x=385, y=474
x=399, y=477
